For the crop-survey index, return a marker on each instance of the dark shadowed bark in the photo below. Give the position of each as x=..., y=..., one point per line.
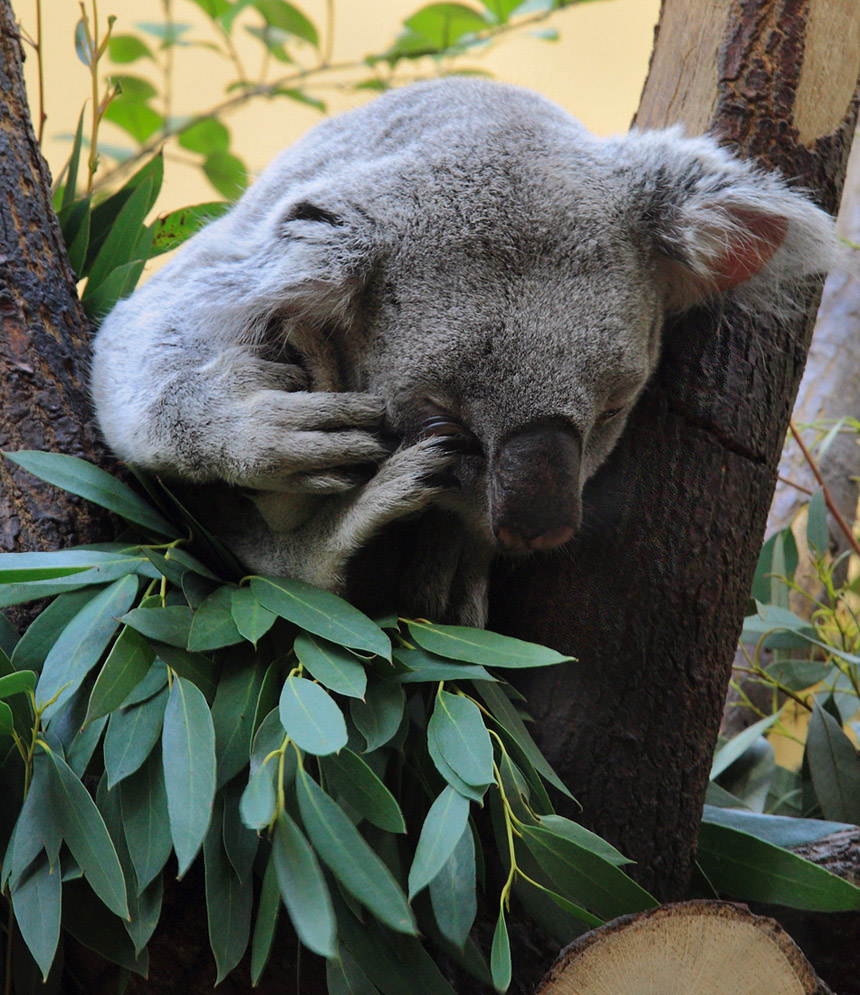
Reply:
x=652, y=596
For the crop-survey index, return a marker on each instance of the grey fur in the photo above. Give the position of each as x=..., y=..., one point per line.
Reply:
x=455, y=249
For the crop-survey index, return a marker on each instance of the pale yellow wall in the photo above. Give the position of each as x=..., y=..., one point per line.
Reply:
x=596, y=71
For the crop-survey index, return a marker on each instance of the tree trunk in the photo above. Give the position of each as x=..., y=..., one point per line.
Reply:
x=652, y=596
x=44, y=333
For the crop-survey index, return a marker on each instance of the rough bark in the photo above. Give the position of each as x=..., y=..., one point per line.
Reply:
x=44, y=334
x=650, y=599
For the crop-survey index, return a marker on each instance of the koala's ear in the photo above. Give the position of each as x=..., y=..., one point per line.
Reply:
x=717, y=223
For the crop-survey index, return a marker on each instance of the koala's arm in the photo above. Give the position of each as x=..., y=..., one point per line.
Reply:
x=181, y=388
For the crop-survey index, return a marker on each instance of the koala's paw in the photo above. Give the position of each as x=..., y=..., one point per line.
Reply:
x=408, y=482
x=306, y=442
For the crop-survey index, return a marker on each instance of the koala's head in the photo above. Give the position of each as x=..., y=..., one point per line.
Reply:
x=499, y=274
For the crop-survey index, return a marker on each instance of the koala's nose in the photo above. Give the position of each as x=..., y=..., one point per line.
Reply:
x=536, y=499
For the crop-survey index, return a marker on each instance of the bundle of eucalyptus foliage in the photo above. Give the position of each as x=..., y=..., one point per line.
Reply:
x=320, y=760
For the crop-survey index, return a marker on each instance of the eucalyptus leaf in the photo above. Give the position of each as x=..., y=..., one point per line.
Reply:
x=444, y=825
x=127, y=664
x=331, y=665
x=132, y=733
x=86, y=835
x=169, y=625
x=213, y=625
x=339, y=845
x=266, y=922
x=82, y=642
x=233, y=711
x=834, y=766
x=228, y=901
x=251, y=619
x=311, y=718
x=453, y=891
x=303, y=888
x=455, y=642
x=143, y=799
x=188, y=753
x=322, y=613
x=88, y=481
x=744, y=867
x=378, y=717
x=500, y=955
x=459, y=731
x=37, y=902
x=347, y=774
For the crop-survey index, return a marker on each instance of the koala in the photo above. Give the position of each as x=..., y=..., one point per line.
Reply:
x=422, y=329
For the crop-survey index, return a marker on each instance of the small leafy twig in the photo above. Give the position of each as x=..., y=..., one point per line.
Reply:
x=828, y=498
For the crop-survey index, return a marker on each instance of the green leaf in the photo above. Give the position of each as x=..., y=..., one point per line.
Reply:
x=36, y=902
x=37, y=827
x=118, y=247
x=233, y=712
x=378, y=717
x=584, y=877
x=170, y=625
x=119, y=284
x=70, y=189
x=750, y=869
x=303, y=888
x=226, y=173
x=506, y=715
x=91, y=924
x=7, y=723
x=249, y=616
x=834, y=766
x=240, y=843
x=228, y=901
x=331, y=665
x=347, y=774
x=442, y=829
x=300, y=97
x=128, y=48
x=345, y=977
x=462, y=738
x=170, y=230
x=33, y=647
x=322, y=613
x=169, y=32
x=738, y=745
x=444, y=24
x=267, y=921
x=134, y=117
x=452, y=891
x=311, y=718
x=569, y=830
x=86, y=835
x=424, y=666
x=205, y=136
x=339, y=845
x=501, y=9
x=127, y=664
x=213, y=8
x=817, y=533
x=75, y=226
x=780, y=830
x=213, y=625
x=288, y=18
x=188, y=751
x=82, y=642
x=475, y=794
x=83, y=48
x=149, y=686
x=500, y=956
x=194, y=667
x=106, y=213
x=456, y=642
x=90, y=482
x=259, y=801
x=16, y=683
x=132, y=733
x=143, y=798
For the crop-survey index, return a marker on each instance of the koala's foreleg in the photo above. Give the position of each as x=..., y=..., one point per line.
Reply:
x=318, y=549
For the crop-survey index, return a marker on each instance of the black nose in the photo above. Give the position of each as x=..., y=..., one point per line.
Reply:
x=536, y=499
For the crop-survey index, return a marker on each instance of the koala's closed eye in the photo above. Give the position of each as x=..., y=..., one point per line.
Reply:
x=306, y=211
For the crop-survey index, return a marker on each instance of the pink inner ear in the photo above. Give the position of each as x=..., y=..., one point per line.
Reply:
x=753, y=247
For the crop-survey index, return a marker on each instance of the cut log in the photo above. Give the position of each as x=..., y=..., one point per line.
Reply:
x=691, y=948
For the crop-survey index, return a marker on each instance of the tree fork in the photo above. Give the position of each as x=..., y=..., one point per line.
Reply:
x=652, y=595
